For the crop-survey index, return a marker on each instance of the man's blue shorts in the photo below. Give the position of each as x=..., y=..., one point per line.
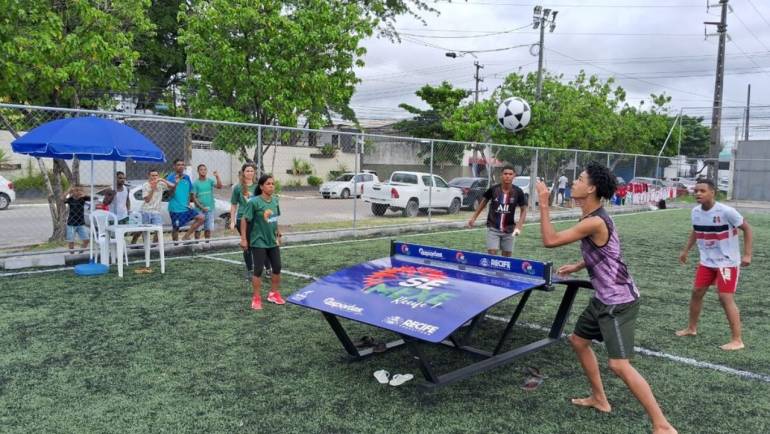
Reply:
x=179, y=219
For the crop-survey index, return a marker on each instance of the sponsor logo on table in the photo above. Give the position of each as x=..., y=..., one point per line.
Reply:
x=501, y=264
x=460, y=257
x=430, y=253
x=527, y=267
x=404, y=249
x=411, y=325
x=302, y=295
x=416, y=287
x=345, y=307
x=393, y=320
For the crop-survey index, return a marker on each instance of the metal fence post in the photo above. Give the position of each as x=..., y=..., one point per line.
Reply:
x=259, y=150
x=430, y=188
x=355, y=184
x=574, y=169
x=635, y=157
x=533, y=179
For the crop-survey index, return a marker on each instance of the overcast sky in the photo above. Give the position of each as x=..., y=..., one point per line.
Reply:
x=649, y=46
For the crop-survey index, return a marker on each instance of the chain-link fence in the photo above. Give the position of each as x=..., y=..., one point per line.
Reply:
x=330, y=179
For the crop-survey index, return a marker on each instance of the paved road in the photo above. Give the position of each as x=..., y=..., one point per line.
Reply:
x=29, y=223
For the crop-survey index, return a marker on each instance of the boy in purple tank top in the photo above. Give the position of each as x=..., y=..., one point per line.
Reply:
x=611, y=314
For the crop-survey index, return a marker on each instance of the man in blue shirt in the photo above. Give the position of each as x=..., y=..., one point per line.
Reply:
x=179, y=203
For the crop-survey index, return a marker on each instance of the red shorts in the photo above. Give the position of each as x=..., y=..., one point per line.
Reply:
x=725, y=278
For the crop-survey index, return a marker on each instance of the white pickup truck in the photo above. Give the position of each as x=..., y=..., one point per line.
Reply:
x=410, y=192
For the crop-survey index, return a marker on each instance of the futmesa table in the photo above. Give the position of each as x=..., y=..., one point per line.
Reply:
x=432, y=295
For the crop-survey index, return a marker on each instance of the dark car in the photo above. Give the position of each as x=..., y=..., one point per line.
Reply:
x=473, y=189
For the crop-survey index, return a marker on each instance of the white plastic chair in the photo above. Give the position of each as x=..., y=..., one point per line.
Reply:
x=100, y=219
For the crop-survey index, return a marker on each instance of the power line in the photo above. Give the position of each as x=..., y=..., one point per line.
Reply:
x=626, y=76
x=759, y=13
x=750, y=31
x=483, y=35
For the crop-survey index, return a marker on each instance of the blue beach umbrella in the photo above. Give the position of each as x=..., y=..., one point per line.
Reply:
x=88, y=138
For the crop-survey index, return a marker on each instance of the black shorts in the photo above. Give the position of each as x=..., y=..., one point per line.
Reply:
x=612, y=323
x=262, y=257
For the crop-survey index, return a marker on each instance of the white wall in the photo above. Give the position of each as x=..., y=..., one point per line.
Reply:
x=279, y=159
x=214, y=160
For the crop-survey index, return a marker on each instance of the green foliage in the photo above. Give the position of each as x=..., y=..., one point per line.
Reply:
x=315, y=181
x=4, y=157
x=68, y=52
x=443, y=101
x=695, y=136
x=328, y=150
x=36, y=182
x=294, y=183
x=275, y=61
x=300, y=167
x=277, y=186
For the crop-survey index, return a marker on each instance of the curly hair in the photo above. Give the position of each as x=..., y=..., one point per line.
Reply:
x=602, y=178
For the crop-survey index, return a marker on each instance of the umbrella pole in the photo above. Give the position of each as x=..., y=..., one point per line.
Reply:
x=91, y=202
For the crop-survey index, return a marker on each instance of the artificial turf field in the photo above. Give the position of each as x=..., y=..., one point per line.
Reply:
x=182, y=352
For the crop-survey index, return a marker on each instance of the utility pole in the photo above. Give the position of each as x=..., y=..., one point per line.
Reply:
x=478, y=80
x=716, y=115
x=748, y=113
x=540, y=18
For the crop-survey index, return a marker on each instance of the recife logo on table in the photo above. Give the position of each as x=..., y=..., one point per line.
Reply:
x=460, y=257
x=412, y=325
x=404, y=249
x=416, y=287
x=527, y=267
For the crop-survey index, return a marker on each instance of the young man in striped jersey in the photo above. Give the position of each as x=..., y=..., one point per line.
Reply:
x=502, y=226
x=611, y=313
x=715, y=229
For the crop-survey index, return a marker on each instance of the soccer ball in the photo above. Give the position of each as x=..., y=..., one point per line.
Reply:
x=513, y=114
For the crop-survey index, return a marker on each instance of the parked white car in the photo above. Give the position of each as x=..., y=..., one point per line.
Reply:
x=7, y=193
x=409, y=192
x=222, y=207
x=345, y=184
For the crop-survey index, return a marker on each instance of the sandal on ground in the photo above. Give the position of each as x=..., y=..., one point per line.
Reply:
x=400, y=379
x=380, y=347
x=532, y=383
x=382, y=376
x=534, y=372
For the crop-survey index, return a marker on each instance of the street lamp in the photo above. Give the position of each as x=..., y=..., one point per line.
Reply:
x=540, y=19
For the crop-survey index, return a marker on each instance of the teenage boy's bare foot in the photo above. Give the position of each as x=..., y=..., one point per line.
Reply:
x=664, y=430
x=687, y=332
x=602, y=406
x=732, y=346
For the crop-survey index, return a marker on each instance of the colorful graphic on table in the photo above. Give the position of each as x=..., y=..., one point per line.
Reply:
x=421, y=291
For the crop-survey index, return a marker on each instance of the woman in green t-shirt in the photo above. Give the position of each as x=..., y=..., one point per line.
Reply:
x=260, y=235
x=242, y=192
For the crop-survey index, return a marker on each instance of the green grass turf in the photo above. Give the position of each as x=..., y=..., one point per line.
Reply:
x=181, y=352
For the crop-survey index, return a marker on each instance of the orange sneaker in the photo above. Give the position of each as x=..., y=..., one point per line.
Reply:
x=275, y=297
x=256, y=303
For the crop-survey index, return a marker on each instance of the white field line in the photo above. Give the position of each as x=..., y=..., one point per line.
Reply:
x=232, y=261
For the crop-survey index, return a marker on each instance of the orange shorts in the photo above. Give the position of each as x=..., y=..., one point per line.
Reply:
x=725, y=278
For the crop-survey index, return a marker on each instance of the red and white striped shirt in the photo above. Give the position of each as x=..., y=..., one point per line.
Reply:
x=716, y=232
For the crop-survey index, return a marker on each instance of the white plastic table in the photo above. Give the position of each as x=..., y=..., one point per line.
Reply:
x=120, y=232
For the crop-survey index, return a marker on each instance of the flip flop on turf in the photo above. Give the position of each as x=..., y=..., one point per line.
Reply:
x=532, y=383
x=382, y=376
x=534, y=372
x=400, y=379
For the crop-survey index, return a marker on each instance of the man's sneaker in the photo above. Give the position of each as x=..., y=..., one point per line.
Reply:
x=247, y=275
x=268, y=272
x=275, y=297
x=256, y=303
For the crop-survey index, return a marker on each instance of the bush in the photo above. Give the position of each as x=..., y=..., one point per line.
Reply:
x=328, y=150
x=277, y=186
x=301, y=167
x=36, y=182
x=314, y=181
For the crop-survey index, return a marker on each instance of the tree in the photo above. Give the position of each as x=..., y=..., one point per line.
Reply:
x=161, y=62
x=585, y=113
x=443, y=100
x=695, y=137
x=67, y=53
x=275, y=62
